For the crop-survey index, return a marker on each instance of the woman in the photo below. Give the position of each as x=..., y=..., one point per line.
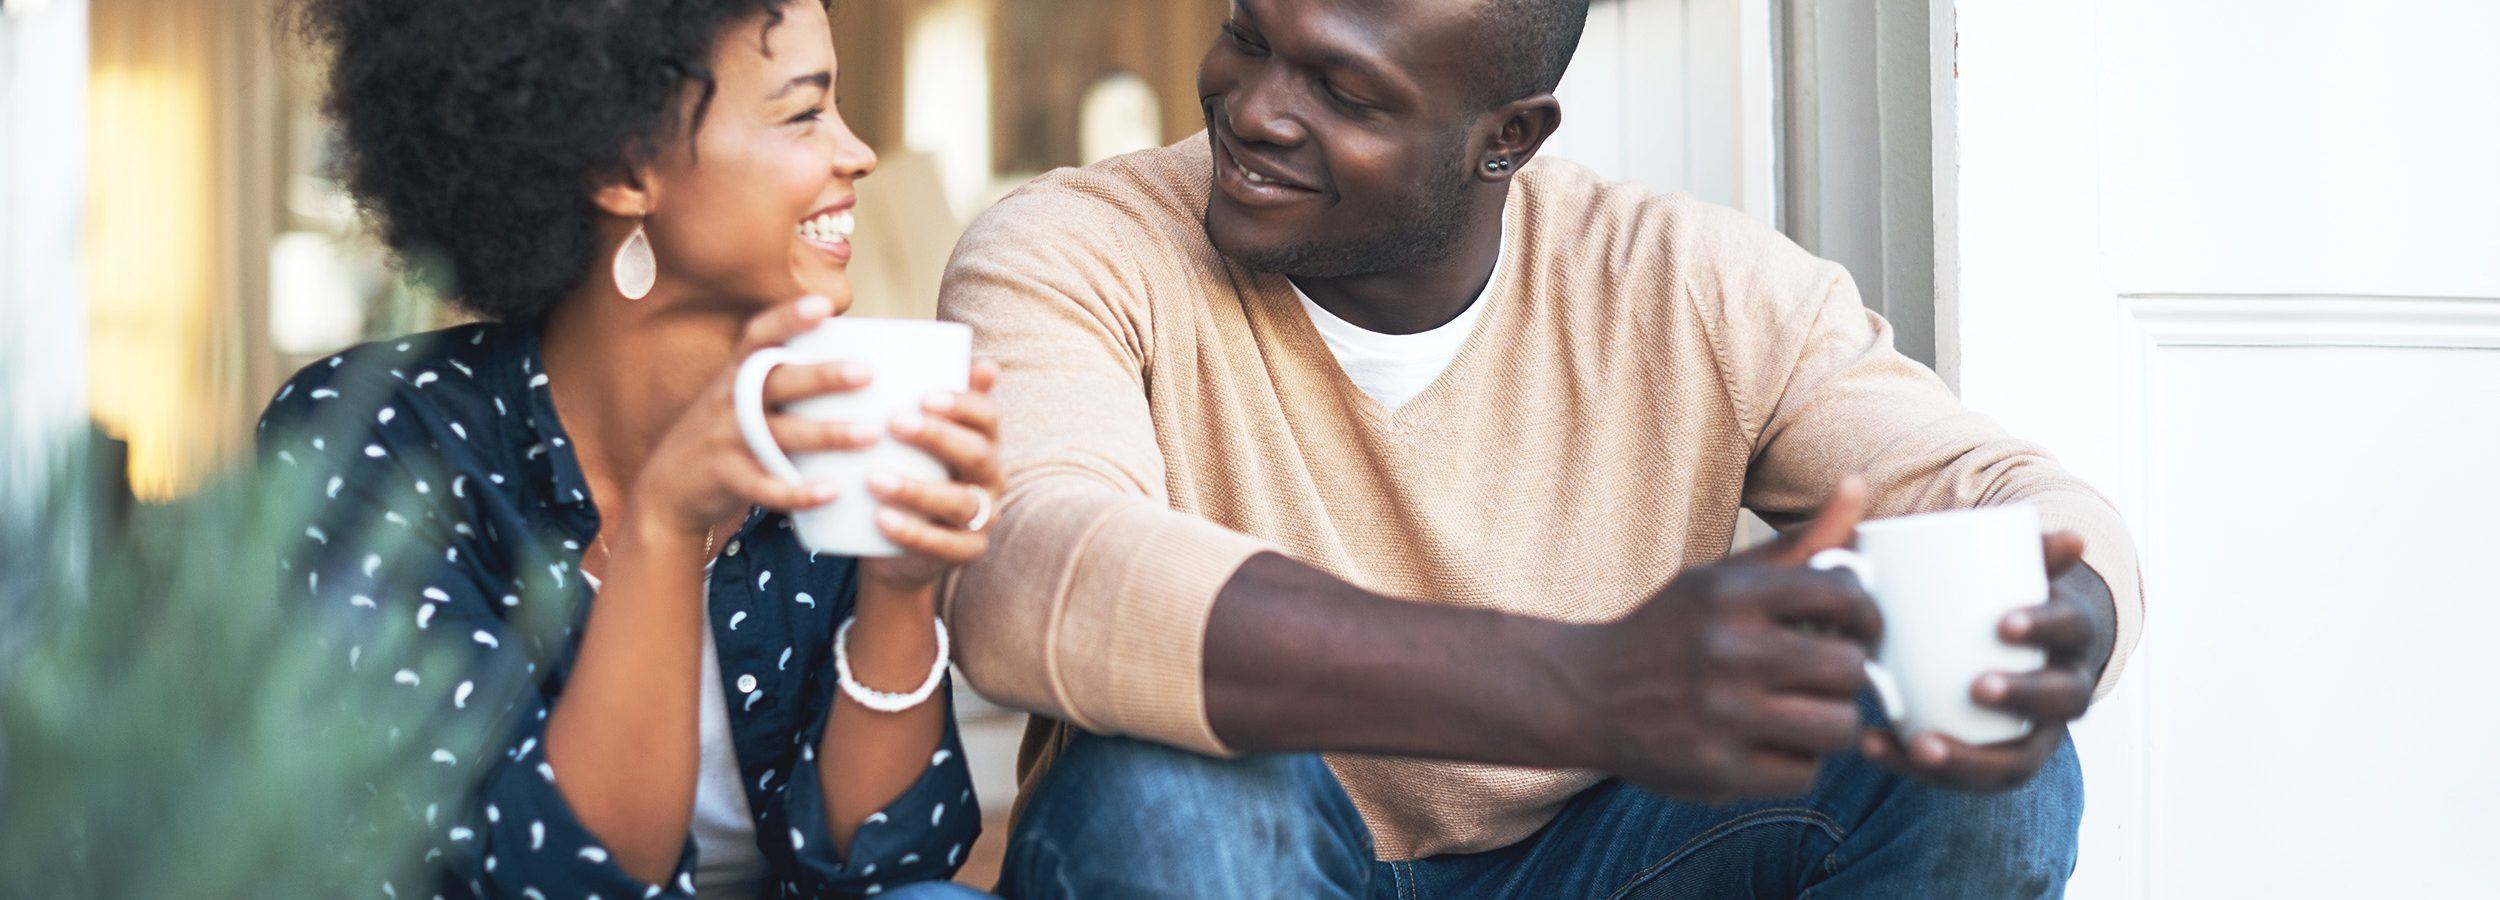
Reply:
x=630, y=193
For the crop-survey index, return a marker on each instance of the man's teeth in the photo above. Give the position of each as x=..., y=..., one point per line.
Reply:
x=1254, y=176
x=831, y=228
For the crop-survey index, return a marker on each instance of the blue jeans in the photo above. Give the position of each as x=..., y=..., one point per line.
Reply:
x=1123, y=818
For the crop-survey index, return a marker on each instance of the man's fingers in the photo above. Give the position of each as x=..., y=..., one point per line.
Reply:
x=1799, y=662
x=1938, y=759
x=2048, y=695
x=776, y=326
x=1812, y=726
x=800, y=381
x=985, y=373
x=1827, y=602
x=1773, y=773
x=1834, y=525
x=2062, y=551
x=2059, y=628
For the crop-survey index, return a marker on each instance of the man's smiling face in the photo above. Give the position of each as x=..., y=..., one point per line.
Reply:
x=1339, y=131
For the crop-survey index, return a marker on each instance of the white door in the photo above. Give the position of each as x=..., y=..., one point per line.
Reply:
x=2239, y=263
x=1676, y=94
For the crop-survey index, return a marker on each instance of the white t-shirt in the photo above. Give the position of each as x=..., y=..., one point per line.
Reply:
x=728, y=863
x=1393, y=368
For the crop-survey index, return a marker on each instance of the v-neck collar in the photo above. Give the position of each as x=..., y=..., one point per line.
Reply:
x=1309, y=347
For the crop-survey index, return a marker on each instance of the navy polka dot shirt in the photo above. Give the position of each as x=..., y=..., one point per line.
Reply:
x=445, y=493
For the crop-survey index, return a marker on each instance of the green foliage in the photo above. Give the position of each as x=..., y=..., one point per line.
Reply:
x=176, y=720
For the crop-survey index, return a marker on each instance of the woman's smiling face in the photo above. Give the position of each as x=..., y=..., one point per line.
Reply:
x=757, y=208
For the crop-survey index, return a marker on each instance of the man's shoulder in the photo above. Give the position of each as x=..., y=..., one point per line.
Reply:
x=1157, y=194
x=1576, y=213
x=1581, y=205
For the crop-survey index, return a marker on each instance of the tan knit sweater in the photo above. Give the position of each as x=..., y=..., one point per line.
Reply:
x=1646, y=365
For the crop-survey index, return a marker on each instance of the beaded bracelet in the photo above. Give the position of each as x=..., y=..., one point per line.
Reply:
x=882, y=701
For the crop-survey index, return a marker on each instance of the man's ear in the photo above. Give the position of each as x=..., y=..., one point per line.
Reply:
x=625, y=194
x=1524, y=124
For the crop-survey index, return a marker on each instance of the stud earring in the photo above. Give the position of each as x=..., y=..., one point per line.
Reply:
x=1497, y=164
x=636, y=269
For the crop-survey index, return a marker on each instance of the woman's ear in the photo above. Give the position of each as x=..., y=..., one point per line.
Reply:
x=625, y=195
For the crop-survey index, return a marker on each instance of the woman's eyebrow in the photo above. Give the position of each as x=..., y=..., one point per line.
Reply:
x=822, y=81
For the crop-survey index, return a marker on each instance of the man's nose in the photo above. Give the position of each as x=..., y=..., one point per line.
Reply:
x=1262, y=110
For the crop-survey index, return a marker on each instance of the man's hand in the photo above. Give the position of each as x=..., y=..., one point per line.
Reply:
x=1738, y=677
x=2078, y=627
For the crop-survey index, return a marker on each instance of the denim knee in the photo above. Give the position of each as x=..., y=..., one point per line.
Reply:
x=1116, y=817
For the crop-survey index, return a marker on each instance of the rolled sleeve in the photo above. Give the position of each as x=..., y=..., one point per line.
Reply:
x=921, y=836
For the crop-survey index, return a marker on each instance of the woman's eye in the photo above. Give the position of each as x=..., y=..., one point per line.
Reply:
x=808, y=116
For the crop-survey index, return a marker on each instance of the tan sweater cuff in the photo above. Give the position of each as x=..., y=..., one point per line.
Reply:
x=2111, y=554
x=1132, y=645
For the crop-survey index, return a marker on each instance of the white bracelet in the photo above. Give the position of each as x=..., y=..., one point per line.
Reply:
x=882, y=701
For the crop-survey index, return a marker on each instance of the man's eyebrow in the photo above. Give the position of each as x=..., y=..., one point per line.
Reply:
x=822, y=81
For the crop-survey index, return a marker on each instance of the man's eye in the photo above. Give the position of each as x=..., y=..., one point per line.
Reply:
x=1339, y=97
x=1241, y=39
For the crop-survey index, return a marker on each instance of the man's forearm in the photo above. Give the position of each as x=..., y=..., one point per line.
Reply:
x=1298, y=660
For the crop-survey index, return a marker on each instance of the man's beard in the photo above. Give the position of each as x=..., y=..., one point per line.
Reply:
x=1421, y=228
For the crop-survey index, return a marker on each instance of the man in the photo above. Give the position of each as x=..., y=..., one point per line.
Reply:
x=1346, y=430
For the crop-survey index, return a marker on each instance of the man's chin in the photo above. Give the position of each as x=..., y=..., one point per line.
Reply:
x=1242, y=243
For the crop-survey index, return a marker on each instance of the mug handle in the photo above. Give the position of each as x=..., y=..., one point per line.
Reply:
x=1887, y=688
x=747, y=395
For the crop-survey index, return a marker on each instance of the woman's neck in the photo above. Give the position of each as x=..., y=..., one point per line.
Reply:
x=621, y=373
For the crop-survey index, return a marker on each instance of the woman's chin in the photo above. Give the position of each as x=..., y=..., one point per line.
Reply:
x=824, y=281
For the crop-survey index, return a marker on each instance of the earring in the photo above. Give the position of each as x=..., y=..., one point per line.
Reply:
x=636, y=268
x=1497, y=164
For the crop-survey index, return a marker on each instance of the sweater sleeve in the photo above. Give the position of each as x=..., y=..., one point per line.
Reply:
x=1092, y=603
x=1823, y=393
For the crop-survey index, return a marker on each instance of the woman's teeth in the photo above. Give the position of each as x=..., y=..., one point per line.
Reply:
x=831, y=228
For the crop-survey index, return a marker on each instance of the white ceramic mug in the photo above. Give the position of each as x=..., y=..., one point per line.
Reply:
x=1944, y=581
x=908, y=361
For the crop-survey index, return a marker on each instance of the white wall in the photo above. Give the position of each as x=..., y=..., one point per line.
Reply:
x=43, y=314
x=1675, y=94
x=2240, y=265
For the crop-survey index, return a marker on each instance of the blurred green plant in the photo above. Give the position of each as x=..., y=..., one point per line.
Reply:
x=175, y=721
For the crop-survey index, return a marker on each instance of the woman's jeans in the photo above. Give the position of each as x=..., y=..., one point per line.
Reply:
x=1123, y=818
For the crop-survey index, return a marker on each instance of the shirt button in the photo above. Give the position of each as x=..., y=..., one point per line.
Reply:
x=746, y=684
x=733, y=548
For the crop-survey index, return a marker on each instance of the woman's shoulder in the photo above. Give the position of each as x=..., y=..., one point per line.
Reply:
x=445, y=376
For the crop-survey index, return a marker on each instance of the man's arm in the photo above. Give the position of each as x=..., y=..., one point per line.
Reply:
x=1101, y=605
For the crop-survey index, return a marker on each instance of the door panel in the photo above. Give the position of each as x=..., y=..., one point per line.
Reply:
x=2237, y=263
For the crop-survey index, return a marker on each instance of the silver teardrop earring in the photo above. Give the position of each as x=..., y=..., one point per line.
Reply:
x=636, y=269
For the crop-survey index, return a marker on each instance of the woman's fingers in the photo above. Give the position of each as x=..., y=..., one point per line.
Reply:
x=776, y=326
x=800, y=381
x=798, y=434
x=917, y=536
x=972, y=456
x=946, y=503
x=984, y=375
x=751, y=483
x=976, y=411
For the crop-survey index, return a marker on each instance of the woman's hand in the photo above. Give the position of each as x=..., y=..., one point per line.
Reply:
x=702, y=470
x=933, y=520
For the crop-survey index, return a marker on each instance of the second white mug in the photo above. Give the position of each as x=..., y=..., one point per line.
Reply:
x=1944, y=581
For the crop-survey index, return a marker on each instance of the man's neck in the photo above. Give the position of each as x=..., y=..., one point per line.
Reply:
x=1418, y=299
x=622, y=372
